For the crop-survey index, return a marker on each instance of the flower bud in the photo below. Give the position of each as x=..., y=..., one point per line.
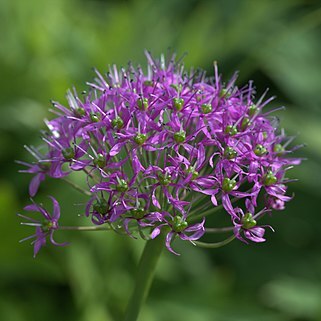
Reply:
x=248, y=221
x=228, y=184
x=178, y=103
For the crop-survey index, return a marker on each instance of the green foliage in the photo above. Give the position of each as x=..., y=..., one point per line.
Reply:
x=49, y=46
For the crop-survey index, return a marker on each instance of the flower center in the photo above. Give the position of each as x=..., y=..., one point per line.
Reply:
x=180, y=136
x=68, y=153
x=253, y=109
x=100, y=160
x=230, y=130
x=179, y=224
x=248, y=221
x=117, y=123
x=230, y=152
x=178, y=103
x=192, y=170
x=140, y=139
x=142, y=103
x=278, y=149
x=260, y=150
x=122, y=185
x=245, y=123
x=270, y=178
x=101, y=207
x=138, y=213
x=228, y=184
x=164, y=179
x=206, y=108
x=95, y=117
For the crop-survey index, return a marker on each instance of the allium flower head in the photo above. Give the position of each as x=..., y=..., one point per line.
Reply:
x=162, y=148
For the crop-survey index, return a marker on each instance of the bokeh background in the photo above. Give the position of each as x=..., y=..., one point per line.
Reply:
x=49, y=46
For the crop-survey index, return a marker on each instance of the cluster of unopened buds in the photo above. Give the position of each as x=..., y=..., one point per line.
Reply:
x=161, y=150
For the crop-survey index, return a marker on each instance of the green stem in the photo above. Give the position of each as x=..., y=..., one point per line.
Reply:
x=85, y=228
x=77, y=187
x=215, y=245
x=144, y=277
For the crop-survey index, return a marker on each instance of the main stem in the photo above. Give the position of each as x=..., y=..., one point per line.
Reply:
x=144, y=277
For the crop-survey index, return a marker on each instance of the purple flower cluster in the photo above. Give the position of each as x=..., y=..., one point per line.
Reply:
x=163, y=147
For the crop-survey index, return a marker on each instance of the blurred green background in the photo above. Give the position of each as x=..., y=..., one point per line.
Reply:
x=49, y=46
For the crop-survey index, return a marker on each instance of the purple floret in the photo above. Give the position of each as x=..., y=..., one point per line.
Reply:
x=45, y=227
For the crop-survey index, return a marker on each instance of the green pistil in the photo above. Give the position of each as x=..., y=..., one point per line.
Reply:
x=224, y=93
x=245, y=123
x=206, y=108
x=192, y=170
x=164, y=179
x=79, y=112
x=95, y=117
x=179, y=225
x=231, y=130
x=230, y=152
x=117, y=123
x=44, y=165
x=180, y=136
x=100, y=160
x=278, y=149
x=248, y=221
x=253, y=109
x=122, y=186
x=178, y=103
x=140, y=139
x=46, y=226
x=228, y=184
x=138, y=213
x=260, y=150
x=142, y=103
x=148, y=83
x=270, y=178
x=68, y=153
x=101, y=206
x=178, y=88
